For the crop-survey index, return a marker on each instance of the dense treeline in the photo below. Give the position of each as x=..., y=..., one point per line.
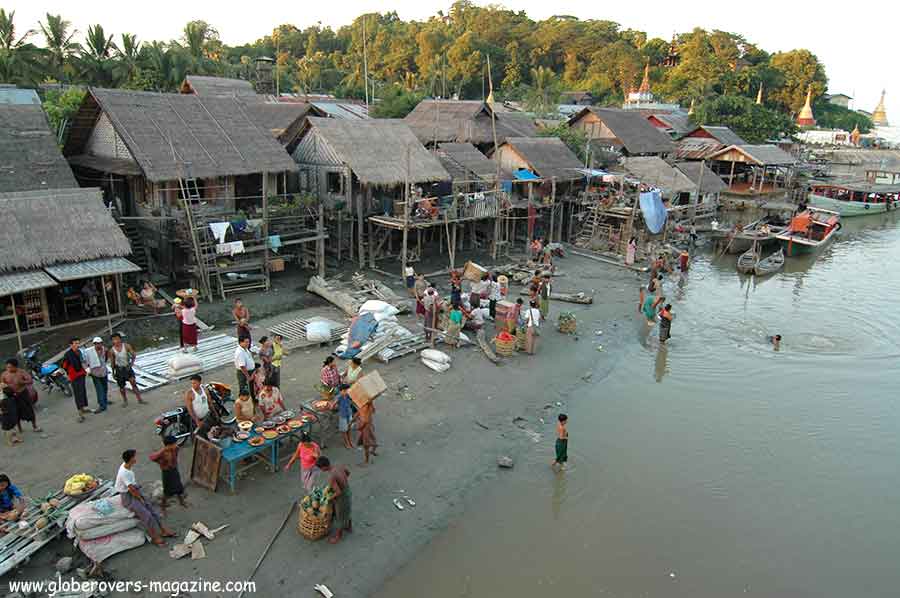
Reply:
x=446, y=55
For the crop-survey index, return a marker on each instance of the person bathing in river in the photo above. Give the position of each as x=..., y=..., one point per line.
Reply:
x=665, y=323
x=650, y=308
x=684, y=260
x=775, y=340
x=562, y=442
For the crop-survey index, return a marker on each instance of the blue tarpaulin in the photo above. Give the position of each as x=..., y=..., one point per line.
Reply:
x=360, y=331
x=525, y=175
x=654, y=211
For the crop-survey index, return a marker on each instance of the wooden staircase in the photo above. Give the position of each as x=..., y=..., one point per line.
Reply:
x=588, y=228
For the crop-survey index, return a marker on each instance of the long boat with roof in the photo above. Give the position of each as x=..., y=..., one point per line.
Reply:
x=808, y=231
x=855, y=198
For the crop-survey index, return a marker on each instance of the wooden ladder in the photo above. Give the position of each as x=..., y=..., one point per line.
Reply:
x=588, y=229
x=190, y=194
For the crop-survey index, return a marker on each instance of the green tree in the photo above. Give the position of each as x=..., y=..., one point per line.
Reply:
x=575, y=139
x=396, y=102
x=61, y=106
x=543, y=95
x=753, y=122
x=96, y=57
x=58, y=36
x=128, y=56
x=799, y=69
x=831, y=116
x=18, y=57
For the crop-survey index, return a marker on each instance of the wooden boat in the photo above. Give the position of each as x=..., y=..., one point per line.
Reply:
x=748, y=260
x=771, y=264
x=734, y=241
x=809, y=231
x=855, y=198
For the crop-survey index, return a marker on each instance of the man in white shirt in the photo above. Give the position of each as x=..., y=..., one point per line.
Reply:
x=132, y=498
x=244, y=366
x=494, y=295
x=95, y=362
x=476, y=318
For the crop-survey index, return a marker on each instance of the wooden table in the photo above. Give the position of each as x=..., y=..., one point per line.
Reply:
x=239, y=451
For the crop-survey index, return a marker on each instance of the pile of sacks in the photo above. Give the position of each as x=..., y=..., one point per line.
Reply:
x=435, y=360
x=103, y=527
x=184, y=365
x=386, y=323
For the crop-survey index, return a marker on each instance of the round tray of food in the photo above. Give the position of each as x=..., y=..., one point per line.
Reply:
x=279, y=419
x=241, y=436
x=245, y=426
x=268, y=424
x=283, y=429
x=288, y=414
x=295, y=423
x=322, y=405
x=269, y=434
x=259, y=429
x=256, y=441
x=308, y=418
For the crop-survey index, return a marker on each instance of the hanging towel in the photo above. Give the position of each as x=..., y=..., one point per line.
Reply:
x=230, y=248
x=219, y=230
x=654, y=211
x=275, y=242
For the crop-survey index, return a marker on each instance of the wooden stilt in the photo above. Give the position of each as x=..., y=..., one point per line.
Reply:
x=320, y=243
x=12, y=298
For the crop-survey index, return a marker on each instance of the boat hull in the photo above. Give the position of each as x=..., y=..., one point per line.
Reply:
x=846, y=208
x=793, y=247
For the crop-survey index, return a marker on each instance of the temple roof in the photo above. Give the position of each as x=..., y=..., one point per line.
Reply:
x=806, y=118
x=879, y=116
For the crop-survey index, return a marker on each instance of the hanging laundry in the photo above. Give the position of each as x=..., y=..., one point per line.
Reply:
x=219, y=230
x=654, y=211
x=232, y=248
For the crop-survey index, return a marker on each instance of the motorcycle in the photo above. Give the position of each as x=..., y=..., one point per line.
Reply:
x=179, y=423
x=50, y=376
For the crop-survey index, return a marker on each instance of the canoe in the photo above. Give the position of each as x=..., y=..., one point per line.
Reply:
x=748, y=260
x=771, y=264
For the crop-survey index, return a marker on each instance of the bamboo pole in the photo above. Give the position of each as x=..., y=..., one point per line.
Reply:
x=12, y=298
x=405, y=218
x=359, y=228
x=320, y=243
x=265, y=208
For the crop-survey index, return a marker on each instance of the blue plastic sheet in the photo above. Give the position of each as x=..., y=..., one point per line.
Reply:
x=360, y=331
x=654, y=211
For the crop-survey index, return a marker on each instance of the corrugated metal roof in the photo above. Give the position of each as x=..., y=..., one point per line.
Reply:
x=345, y=110
x=101, y=267
x=19, y=97
x=19, y=282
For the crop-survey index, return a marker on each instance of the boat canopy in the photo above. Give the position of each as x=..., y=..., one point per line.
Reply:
x=801, y=222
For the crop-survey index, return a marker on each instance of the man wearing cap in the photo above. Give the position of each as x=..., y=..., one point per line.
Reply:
x=95, y=360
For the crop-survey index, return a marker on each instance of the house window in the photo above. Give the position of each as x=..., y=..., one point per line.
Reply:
x=334, y=182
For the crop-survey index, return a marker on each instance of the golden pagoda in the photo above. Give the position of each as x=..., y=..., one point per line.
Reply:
x=879, y=116
x=806, y=118
x=759, y=94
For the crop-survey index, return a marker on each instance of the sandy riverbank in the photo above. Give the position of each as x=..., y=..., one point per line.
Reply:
x=439, y=448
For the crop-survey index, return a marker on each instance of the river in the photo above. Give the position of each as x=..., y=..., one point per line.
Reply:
x=714, y=467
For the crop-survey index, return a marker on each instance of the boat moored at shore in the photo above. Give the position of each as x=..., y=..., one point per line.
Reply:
x=855, y=198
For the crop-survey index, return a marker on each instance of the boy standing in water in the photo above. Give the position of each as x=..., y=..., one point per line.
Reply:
x=562, y=442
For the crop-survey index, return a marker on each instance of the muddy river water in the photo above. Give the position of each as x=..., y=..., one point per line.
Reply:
x=715, y=467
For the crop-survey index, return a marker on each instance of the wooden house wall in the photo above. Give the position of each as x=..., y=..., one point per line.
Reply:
x=105, y=142
x=316, y=159
x=594, y=128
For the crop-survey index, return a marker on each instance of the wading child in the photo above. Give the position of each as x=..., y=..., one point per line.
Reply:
x=167, y=459
x=562, y=442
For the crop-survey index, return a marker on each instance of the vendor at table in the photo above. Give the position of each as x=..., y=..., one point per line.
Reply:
x=353, y=372
x=271, y=403
x=330, y=377
x=245, y=410
x=11, y=502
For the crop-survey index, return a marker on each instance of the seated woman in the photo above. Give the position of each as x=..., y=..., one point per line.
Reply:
x=245, y=410
x=11, y=502
x=271, y=403
x=148, y=295
x=133, y=500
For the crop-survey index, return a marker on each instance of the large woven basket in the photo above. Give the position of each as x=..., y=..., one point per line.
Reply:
x=520, y=339
x=505, y=348
x=314, y=527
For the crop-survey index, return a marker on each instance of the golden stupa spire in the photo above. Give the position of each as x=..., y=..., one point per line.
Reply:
x=806, y=118
x=759, y=93
x=879, y=116
x=645, y=84
x=691, y=109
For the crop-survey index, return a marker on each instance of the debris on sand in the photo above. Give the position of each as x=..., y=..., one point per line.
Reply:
x=505, y=462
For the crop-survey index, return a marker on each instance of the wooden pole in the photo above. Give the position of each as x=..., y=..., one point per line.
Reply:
x=552, y=207
x=269, y=546
x=359, y=227
x=320, y=243
x=265, y=208
x=405, y=218
x=731, y=176
x=106, y=305
x=12, y=298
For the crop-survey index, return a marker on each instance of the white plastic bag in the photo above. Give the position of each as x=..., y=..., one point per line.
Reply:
x=184, y=364
x=436, y=356
x=437, y=367
x=318, y=331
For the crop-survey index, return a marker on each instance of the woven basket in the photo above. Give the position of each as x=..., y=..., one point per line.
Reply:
x=314, y=527
x=568, y=326
x=505, y=348
x=520, y=339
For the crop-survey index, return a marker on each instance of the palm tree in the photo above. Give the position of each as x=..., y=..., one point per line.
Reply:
x=58, y=34
x=17, y=56
x=198, y=37
x=96, y=55
x=128, y=57
x=544, y=90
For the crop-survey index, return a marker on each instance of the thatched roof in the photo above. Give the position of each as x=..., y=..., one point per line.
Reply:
x=723, y=135
x=708, y=181
x=654, y=171
x=696, y=148
x=284, y=121
x=166, y=133
x=464, y=162
x=631, y=129
x=760, y=155
x=29, y=156
x=678, y=122
x=216, y=86
x=548, y=157
x=44, y=228
x=466, y=121
x=376, y=150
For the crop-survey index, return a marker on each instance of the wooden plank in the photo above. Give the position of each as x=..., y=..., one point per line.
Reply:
x=205, y=464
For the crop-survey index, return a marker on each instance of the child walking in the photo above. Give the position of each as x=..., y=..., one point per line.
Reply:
x=167, y=459
x=562, y=442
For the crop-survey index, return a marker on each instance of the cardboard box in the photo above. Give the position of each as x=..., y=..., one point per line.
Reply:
x=276, y=265
x=473, y=272
x=367, y=388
